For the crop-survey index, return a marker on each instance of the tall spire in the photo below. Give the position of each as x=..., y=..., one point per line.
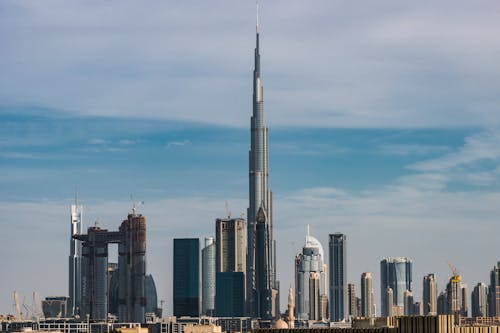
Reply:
x=257, y=16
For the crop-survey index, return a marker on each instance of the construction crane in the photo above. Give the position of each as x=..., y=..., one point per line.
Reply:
x=17, y=306
x=456, y=275
x=135, y=205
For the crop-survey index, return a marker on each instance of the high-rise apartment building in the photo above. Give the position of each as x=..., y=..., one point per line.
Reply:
x=338, y=276
x=351, y=298
x=75, y=260
x=310, y=260
x=429, y=297
x=480, y=300
x=389, y=296
x=230, y=257
x=395, y=273
x=367, y=307
x=262, y=285
x=186, y=277
x=442, y=303
x=494, y=292
x=208, y=277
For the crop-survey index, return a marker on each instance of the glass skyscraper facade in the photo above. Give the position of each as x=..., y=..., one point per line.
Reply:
x=395, y=273
x=338, y=276
x=186, y=277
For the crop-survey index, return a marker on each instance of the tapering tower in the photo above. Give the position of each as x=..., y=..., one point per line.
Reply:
x=75, y=260
x=262, y=289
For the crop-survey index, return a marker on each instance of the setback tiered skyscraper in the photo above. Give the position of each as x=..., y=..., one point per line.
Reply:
x=395, y=273
x=338, y=276
x=75, y=261
x=262, y=286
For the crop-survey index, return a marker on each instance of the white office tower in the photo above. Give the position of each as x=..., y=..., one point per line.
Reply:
x=75, y=260
x=208, y=277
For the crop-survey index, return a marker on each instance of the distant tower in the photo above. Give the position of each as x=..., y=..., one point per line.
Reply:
x=314, y=296
x=367, y=307
x=442, y=303
x=494, y=292
x=308, y=261
x=75, y=260
x=464, y=309
x=408, y=303
x=480, y=300
x=94, y=301
x=395, y=273
x=186, y=277
x=429, y=296
x=230, y=240
x=389, y=296
x=230, y=266
x=263, y=288
x=351, y=297
x=338, y=276
x=291, y=318
x=454, y=296
x=132, y=269
x=208, y=277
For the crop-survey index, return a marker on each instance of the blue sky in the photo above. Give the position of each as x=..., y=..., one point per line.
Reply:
x=383, y=118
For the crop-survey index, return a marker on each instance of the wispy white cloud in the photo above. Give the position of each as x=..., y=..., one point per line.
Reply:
x=483, y=146
x=178, y=143
x=98, y=141
x=413, y=149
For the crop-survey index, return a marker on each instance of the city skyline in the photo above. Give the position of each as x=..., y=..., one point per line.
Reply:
x=446, y=170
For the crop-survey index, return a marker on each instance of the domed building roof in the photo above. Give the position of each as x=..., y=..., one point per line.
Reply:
x=280, y=323
x=312, y=242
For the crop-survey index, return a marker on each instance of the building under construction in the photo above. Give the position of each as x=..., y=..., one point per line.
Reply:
x=131, y=240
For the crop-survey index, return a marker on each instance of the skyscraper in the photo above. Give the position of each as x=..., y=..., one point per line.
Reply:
x=395, y=273
x=494, y=292
x=186, y=277
x=454, y=296
x=75, y=260
x=310, y=260
x=208, y=277
x=263, y=298
x=408, y=303
x=338, y=276
x=230, y=240
x=464, y=309
x=429, y=296
x=351, y=298
x=314, y=296
x=480, y=300
x=131, y=240
x=367, y=308
x=230, y=265
x=132, y=269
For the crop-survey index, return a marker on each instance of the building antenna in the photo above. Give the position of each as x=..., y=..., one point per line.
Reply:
x=257, y=16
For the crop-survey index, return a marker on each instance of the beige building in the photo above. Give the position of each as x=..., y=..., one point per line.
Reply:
x=367, y=306
x=231, y=241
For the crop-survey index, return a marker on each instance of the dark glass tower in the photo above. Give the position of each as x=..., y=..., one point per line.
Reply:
x=338, y=276
x=262, y=288
x=395, y=273
x=186, y=277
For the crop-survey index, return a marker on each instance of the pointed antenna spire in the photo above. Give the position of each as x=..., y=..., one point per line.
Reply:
x=257, y=16
x=76, y=195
